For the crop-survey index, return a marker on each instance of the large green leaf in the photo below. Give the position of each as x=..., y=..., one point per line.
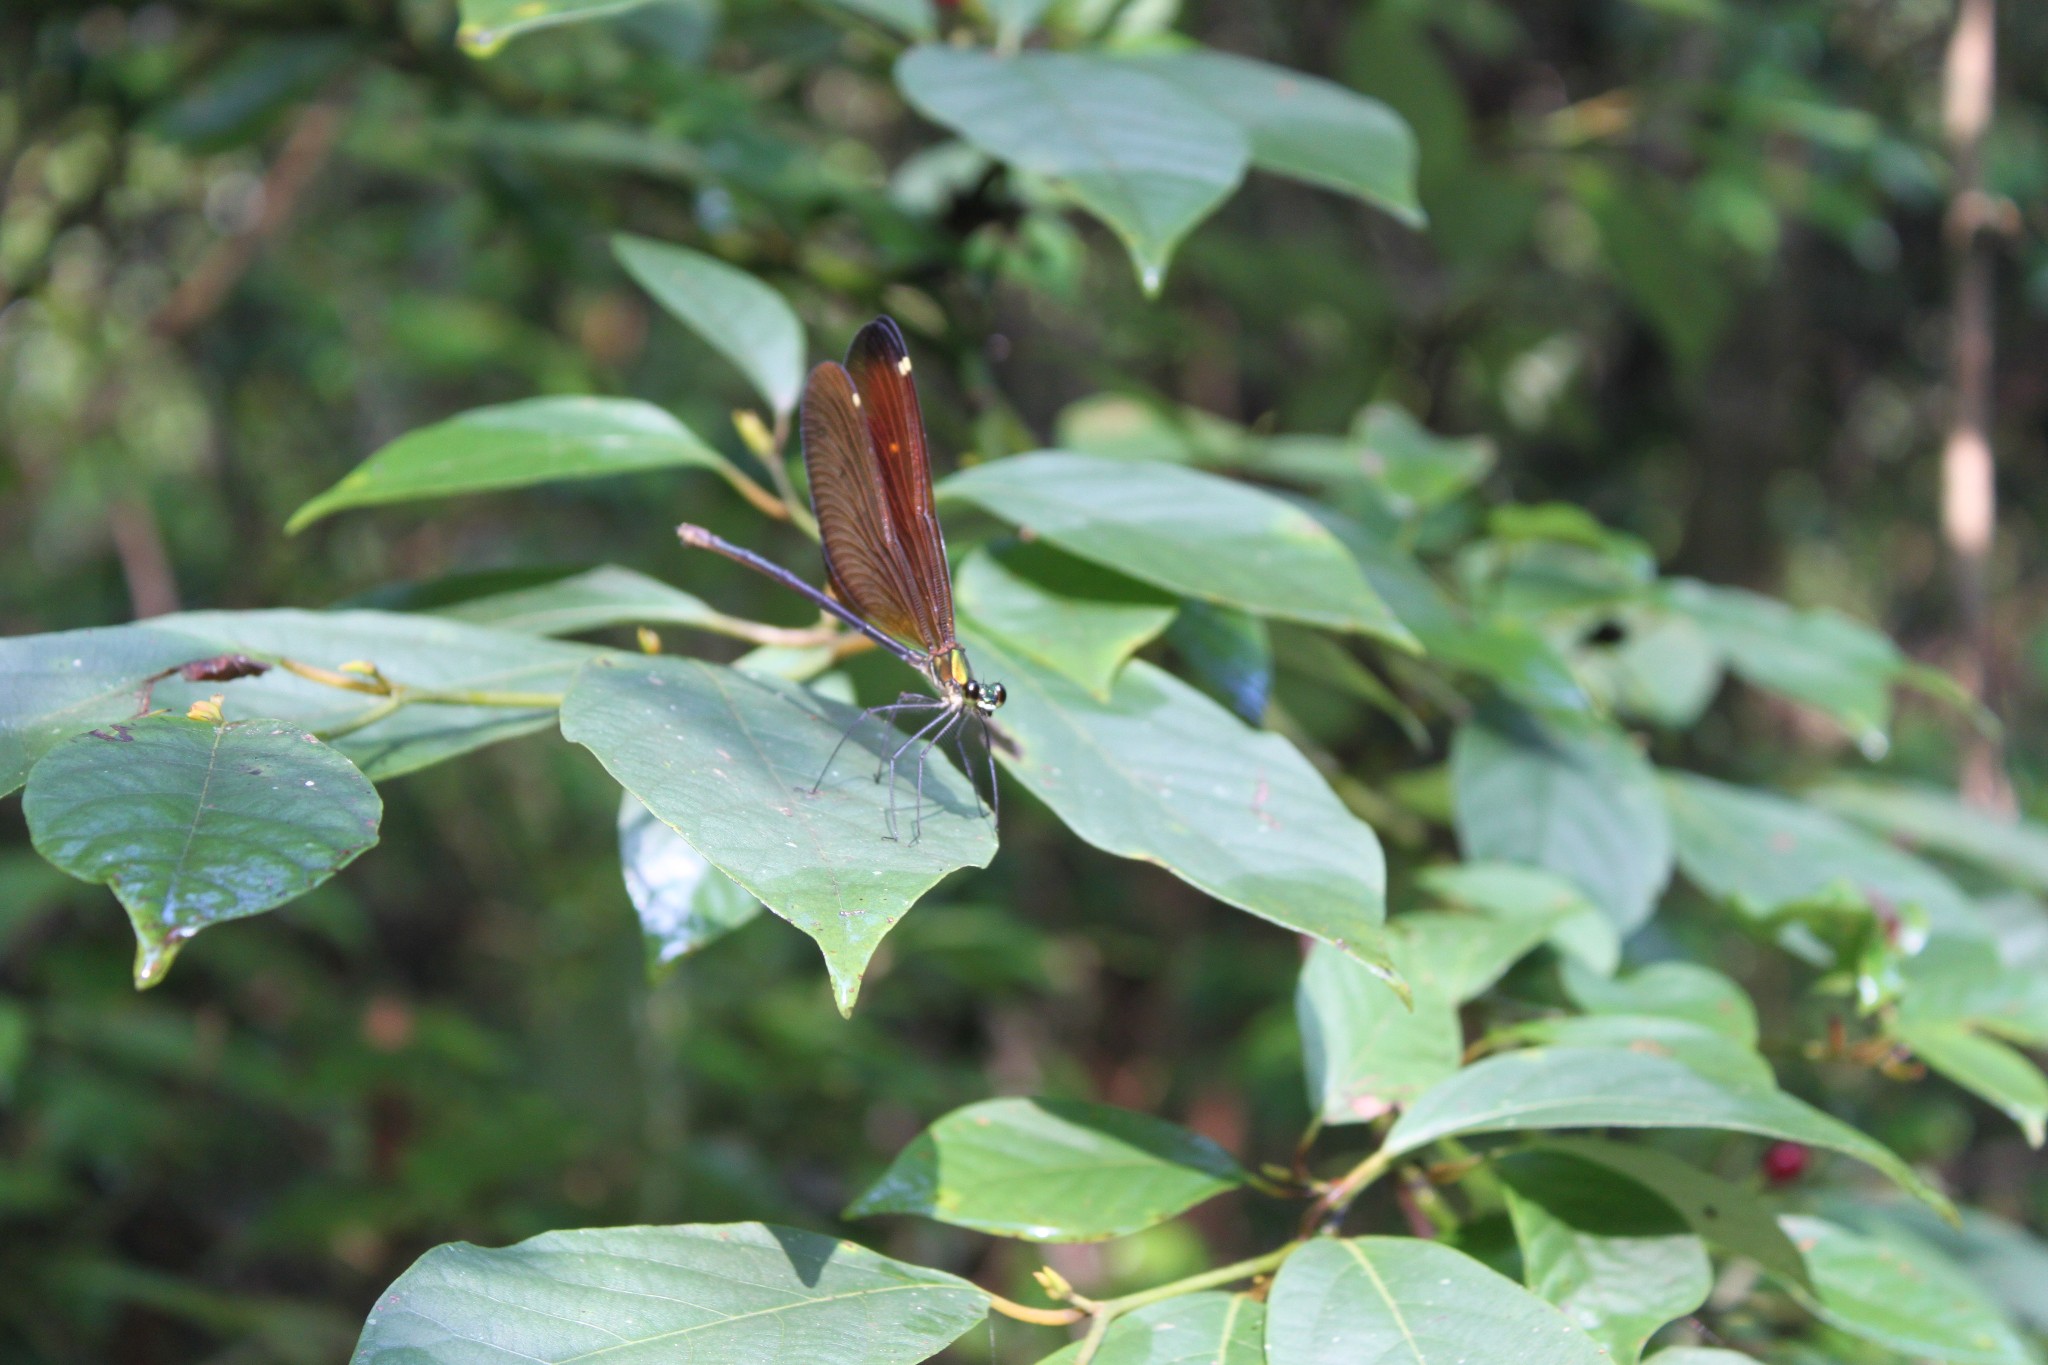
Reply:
x=1195, y=534
x=1598, y=1088
x=727, y=759
x=2007, y=1261
x=1194, y=1329
x=592, y=600
x=1566, y=794
x=1076, y=618
x=738, y=1294
x=193, y=823
x=55, y=686
x=1713, y=1055
x=1303, y=127
x=1508, y=891
x=743, y=319
x=682, y=900
x=1764, y=854
x=1363, y=1051
x=1993, y=1071
x=1162, y=773
x=1403, y=1301
x=1961, y=979
x=1051, y=1171
x=1677, y=990
x=513, y=445
x=1609, y=1252
x=419, y=652
x=1726, y=1216
x=1899, y=1292
x=1822, y=658
x=1934, y=820
x=1366, y=1052
x=1127, y=146
x=488, y=25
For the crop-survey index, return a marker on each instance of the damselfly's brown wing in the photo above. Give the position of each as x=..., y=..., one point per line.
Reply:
x=864, y=556
x=880, y=365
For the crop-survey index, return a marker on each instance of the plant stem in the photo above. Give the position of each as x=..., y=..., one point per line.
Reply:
x=1109, y=1310
x=1336, y=1199
x=1043, y=1317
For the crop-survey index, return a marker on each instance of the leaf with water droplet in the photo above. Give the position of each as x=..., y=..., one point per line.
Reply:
x=193, y=823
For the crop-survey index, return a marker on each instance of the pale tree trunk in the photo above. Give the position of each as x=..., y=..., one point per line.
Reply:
x=1969, y=505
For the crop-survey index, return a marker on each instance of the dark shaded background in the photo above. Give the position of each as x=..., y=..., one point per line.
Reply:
x=1686, y=265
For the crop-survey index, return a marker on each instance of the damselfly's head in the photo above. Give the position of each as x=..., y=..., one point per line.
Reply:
x=986, y=698
x=956, y=679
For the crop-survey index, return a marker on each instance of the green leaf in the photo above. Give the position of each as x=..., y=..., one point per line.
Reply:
x=1695, y=1355
x=1566, y=794
x=1302, y=126
x=414, y=651
x=1160, y=772
x=192, y=823
x=1664, y=670
x=1421, y=469
x=1195, y=534
x=1399, y=1299
x=1961, y=979
x=738, y=1294
x=1934, y=820
x=1900, y=1293
x=1675, y=990
x=1120, y=426
x=1364, y=1052
x=1610, y=1253
x=1837, y=665
x=1127, y=146
x=683, y=901
x=743, y=319
x=488, y=25
x=593, y=600
x=1230, y=653
x=1508, y=891
x=2007, y=1261
x=1051, y=1171
x=1316, y=657
x=1194, y=1329
x=1076, y=618
x=58, y=685
x=1367, y=1052
x=1713, y=1055
x=728, y=760
x=1726, y=1216
x=515, y=445
x=1766, y=854
x=1597, y=1088
x=1995, y=1073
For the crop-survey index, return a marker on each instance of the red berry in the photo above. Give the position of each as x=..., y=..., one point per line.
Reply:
x=1784, y=1162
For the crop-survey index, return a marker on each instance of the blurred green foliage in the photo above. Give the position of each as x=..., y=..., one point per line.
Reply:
x=1683, y=262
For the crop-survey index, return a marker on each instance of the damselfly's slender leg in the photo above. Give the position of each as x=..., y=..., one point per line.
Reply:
x=967, y=768
x=907, y=701
x=995, y=790
x=951, y=713
x=953, y=722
